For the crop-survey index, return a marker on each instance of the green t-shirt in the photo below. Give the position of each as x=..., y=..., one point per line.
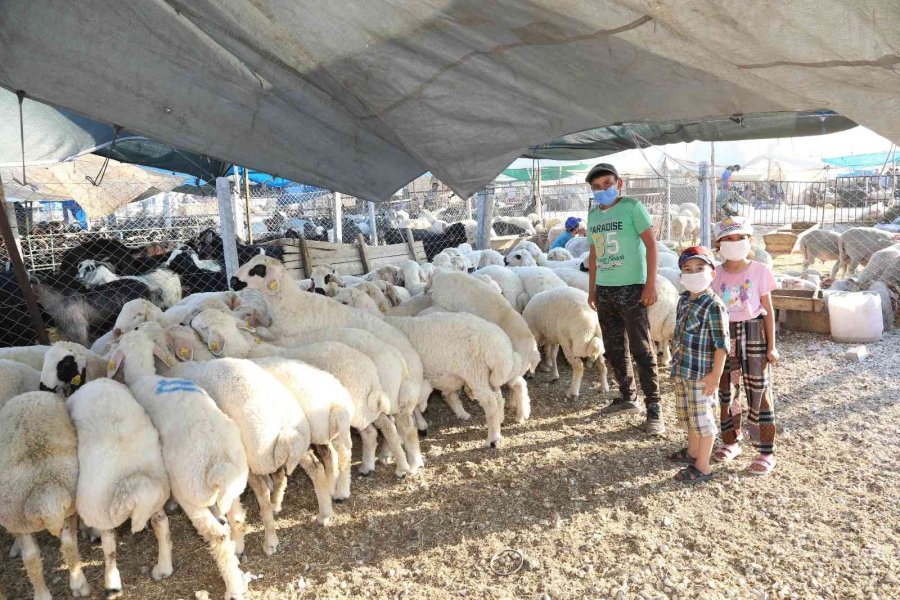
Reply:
x=616, y=235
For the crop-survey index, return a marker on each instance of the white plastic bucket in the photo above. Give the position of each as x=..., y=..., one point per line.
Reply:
x=855, y=317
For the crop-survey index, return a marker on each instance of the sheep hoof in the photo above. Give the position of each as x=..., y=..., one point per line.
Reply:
x=270, y=548
x=495, y=444
x=366, y=473
x=423, y=433
x=80, y=587
x=325, y=521
x=464, y=416
x=338, y=500
x=159, y=573
x=110, y=594
x=571, y=396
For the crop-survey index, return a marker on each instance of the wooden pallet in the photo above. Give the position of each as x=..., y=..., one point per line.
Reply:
x=801, y=310
x=301, y=256
x=783, y=240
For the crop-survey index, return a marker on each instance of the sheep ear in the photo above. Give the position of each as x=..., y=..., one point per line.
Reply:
x=264, y=333
x=164, y=355
x=216, y=343
x=114, y=363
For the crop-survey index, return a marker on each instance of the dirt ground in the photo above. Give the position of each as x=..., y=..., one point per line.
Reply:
x=590, y=505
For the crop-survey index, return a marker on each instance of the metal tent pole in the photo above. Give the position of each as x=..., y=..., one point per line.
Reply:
x=704, y=204
x=485, y=217
x=226, y=225
x=15, y=257
x=374, y=231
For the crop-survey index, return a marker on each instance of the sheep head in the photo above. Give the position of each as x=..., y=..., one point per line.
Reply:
x=65, y=368
x=262, y=273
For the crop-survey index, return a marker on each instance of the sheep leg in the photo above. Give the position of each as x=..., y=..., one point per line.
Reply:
x=15, y=550
x=328, y=457
x=316, y=473
x=552, y=360
x=384, y=454
x=577, y=376
x=237, y=519
x=343, y=448
x=112, y=582
x=601, y=368
x=666, y=353
x=518, y=390
x=160, y=524
x=392, y=440
x=421, y=423
x=221, y=546
x=90, y=533
x=31, y=556
x=407, y=429
x=491, y=402
x=279, y=485
x=263, y=499
x=69, y=546
x=544, y=364
x=369, y=437
x=453, y=401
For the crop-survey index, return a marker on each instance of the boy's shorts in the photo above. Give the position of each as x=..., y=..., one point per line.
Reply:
x=694, y=409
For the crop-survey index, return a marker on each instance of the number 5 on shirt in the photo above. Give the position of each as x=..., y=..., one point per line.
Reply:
x=606, y=243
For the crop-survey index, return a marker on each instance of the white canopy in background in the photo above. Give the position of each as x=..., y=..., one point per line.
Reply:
x=362, y=97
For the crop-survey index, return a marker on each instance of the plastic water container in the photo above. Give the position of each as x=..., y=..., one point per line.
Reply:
x=855, y=317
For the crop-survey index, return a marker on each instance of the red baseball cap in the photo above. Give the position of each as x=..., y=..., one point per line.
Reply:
x=701, y=252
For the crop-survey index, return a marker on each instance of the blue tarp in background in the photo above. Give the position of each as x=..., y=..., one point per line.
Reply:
x=874, y=159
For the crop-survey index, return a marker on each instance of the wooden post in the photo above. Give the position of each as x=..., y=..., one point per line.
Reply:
x=304, y=253
x=410, y=242
x=15, y=257
x=363, y=256
x=226, y=225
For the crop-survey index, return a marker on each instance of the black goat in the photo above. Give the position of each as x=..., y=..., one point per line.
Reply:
x=124, y=260
x=209, y=245
x=434, y=243
x=195, y=275
x=83, y=314
x=15, y=321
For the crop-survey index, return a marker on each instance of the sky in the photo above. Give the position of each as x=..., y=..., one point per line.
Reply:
x=807, y=150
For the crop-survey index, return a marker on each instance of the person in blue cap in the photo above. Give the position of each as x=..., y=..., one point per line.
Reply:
x=574, y=226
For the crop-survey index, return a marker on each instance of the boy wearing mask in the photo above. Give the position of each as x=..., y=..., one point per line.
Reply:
x=623, y=253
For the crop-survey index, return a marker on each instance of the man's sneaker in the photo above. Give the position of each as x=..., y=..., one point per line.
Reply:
x=654, y=425
x=620, y=406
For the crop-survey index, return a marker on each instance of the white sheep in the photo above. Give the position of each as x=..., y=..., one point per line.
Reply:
x=392, y=274
x=554, y=232
x=366, y=404
x=38, y=480
x=510, y=286
x=202, y=453
x=414, y=279
x=574, y=278
x=16, y=378
x=33, y=356
x=561, y=318
x=121, y=472
x=68, y=366
x=856, y=247
x=662, y=315
x=185, y=310
x=690, y=209
x=557, y=254
x=294, y=312
x=520, y=258
x=578, y=245
x=359, y=300
x=523, y=223
x=459, y=351
x=667, y=260
x=460, y=293
x=685, y=227
x=883, y=266
x=538, y=279
x=580, y=263
x=489, y=281
x=484, y=258
x=414, y=306
x=673, y=276
x=528, y=246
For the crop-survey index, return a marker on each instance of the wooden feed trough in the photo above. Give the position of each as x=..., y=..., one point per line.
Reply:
x=783, y=240
x=801, y=310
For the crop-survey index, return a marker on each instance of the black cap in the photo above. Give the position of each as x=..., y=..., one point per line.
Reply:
x=601, y=169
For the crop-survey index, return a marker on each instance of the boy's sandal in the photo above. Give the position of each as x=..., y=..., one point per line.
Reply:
x=682, y=456
x=691, y=474
x=726, y=452
x=762, y=465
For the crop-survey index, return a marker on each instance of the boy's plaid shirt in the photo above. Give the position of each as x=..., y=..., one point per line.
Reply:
x=701, y=327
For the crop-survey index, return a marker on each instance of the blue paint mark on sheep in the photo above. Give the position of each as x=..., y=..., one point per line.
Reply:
x=169, y=386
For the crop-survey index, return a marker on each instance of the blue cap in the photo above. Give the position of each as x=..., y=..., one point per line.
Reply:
x=572, y=223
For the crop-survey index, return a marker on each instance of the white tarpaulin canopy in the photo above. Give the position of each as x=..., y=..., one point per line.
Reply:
x=362, y=97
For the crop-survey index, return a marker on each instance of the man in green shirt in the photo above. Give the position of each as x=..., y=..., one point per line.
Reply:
x=622, y=255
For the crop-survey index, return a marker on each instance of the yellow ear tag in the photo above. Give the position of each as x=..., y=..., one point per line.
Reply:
x=76, y=380
x=110, y=365
x=273, y=285
x=249, y=325
x=382, y=309
x=257, y=340
x=184, y=353
x=214, y=347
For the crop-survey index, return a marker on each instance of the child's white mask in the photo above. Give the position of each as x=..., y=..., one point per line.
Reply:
x=697, y=282
x=734, y=250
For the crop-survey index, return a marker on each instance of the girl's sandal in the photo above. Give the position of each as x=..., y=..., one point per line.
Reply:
x=691, y=474
x=682, y=456
x=762, y=465
x=726, y=452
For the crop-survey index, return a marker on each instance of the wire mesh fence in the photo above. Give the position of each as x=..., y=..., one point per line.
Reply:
x=83, y=268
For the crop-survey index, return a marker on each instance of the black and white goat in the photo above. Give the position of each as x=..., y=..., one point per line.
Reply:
x=165, y=282
x=196, y=275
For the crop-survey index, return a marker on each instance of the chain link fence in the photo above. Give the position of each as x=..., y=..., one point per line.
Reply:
x=138, y=238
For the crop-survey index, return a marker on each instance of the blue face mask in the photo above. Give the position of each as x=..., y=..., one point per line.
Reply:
x=606, y=197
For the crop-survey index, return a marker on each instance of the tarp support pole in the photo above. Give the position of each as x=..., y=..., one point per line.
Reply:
x=226, y=223
x=538, y=204
x=238, y=206
x=704, y=204
x=668, y=208
x=469, y=207
x=15, y=257
x=485, y=218
x=374, y=231
x=247, y=204
x=338, y=219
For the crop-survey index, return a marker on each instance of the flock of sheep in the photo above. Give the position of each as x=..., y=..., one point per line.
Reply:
x=228, y=389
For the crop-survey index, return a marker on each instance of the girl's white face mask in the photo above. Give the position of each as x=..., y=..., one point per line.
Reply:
x=697, y=282
x=734, y=250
